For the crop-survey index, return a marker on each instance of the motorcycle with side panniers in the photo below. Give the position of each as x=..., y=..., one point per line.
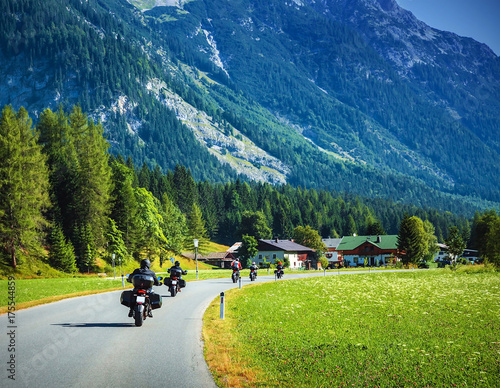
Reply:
x=141, y=300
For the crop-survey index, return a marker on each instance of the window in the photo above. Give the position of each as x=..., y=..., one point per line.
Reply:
x=274, y=256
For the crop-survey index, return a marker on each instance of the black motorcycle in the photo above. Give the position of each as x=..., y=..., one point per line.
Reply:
x=141, y=300
x=236, y=275
x=279, y=273
x=253, y=274
x=175, y=282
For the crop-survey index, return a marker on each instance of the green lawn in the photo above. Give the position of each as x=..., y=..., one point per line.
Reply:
x=412, y=329
x=29, y=290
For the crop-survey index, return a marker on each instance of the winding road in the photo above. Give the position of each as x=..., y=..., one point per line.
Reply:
x=91, y=342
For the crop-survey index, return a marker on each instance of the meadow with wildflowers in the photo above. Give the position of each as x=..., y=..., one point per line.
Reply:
x=407, y=329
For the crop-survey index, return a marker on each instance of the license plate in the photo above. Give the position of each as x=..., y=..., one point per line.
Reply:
x=174, y=282
x=140, y=299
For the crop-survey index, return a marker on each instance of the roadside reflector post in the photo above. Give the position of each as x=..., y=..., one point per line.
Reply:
x=239, y=281
x=123, y=282
x=222, y=305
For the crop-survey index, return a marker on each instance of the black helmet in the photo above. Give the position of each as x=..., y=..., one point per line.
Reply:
x=145, y=263
x=177, y=263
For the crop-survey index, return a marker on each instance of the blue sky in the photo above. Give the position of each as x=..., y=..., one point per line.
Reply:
x=477, y=19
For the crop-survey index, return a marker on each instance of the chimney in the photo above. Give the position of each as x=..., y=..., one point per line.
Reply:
x=379, y=239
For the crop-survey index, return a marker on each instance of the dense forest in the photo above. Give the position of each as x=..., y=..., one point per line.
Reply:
x=381, y=136
x=66, y=200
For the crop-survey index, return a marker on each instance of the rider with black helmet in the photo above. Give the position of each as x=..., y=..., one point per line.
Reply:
x=177, y=267
x=144, y=270
x=176, y=270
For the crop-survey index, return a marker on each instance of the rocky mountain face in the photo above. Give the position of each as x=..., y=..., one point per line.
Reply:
x=352, y=95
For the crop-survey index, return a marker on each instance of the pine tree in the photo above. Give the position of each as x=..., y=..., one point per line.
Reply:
x=255, y=224
x=196, y=230
x=58, y=145
x=94, y=175
x=185, y=188
x=412, y=240
x=61, y=253
x=23, y=188
x=174, y=225
x=85, y=249
x=116, y=244
x=124, y=206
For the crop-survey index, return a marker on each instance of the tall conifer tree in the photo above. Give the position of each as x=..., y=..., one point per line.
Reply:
x=196, y=230
x=61, y=253
x=23, y=187
x=94, y=175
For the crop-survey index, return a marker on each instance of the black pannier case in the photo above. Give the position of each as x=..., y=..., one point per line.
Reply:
x=155, y=300
x=143, y=281
x=168, y=282
x=126, y=298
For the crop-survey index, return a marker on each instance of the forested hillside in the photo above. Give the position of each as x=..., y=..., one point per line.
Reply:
x=68, y=202
x=312, y=95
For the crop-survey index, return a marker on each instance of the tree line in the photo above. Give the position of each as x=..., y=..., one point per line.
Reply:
x=66, y=200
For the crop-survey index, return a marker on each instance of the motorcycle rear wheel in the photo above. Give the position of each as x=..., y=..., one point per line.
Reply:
x=138, y=315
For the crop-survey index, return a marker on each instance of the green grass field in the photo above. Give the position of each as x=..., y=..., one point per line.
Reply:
x=413, y=329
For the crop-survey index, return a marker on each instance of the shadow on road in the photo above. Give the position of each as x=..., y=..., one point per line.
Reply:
x=94, y=324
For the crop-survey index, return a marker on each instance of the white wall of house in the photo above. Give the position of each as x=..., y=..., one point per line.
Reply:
x=275, y=256
x=293, y=257
x=440, y=255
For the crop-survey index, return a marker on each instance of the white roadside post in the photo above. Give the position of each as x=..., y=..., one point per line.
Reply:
x=222, y=305
x=195, y=242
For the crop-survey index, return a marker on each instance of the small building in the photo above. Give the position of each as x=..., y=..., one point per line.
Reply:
x=368, y=250
x=218, y=259
x=332, y=255
x=274, y=251
x=442, y=254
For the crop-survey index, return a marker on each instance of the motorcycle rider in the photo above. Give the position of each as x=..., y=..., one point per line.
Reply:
x=279, y=267
x=236, y=266
x=254, y=267
x=144, y=270
x=176, y=268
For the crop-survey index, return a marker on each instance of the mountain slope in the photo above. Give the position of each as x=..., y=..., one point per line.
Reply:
x=356, y=96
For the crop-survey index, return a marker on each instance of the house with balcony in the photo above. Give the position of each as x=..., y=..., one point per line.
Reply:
x=368, y=250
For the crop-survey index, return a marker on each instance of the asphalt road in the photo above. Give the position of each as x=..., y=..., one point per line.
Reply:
x=91, y=342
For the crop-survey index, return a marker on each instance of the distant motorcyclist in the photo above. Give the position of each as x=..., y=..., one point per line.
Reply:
x=236, y=264
x=144, y=270
x=176, y=268
x=176, y=272
x=279, y=268
x=254, y=267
